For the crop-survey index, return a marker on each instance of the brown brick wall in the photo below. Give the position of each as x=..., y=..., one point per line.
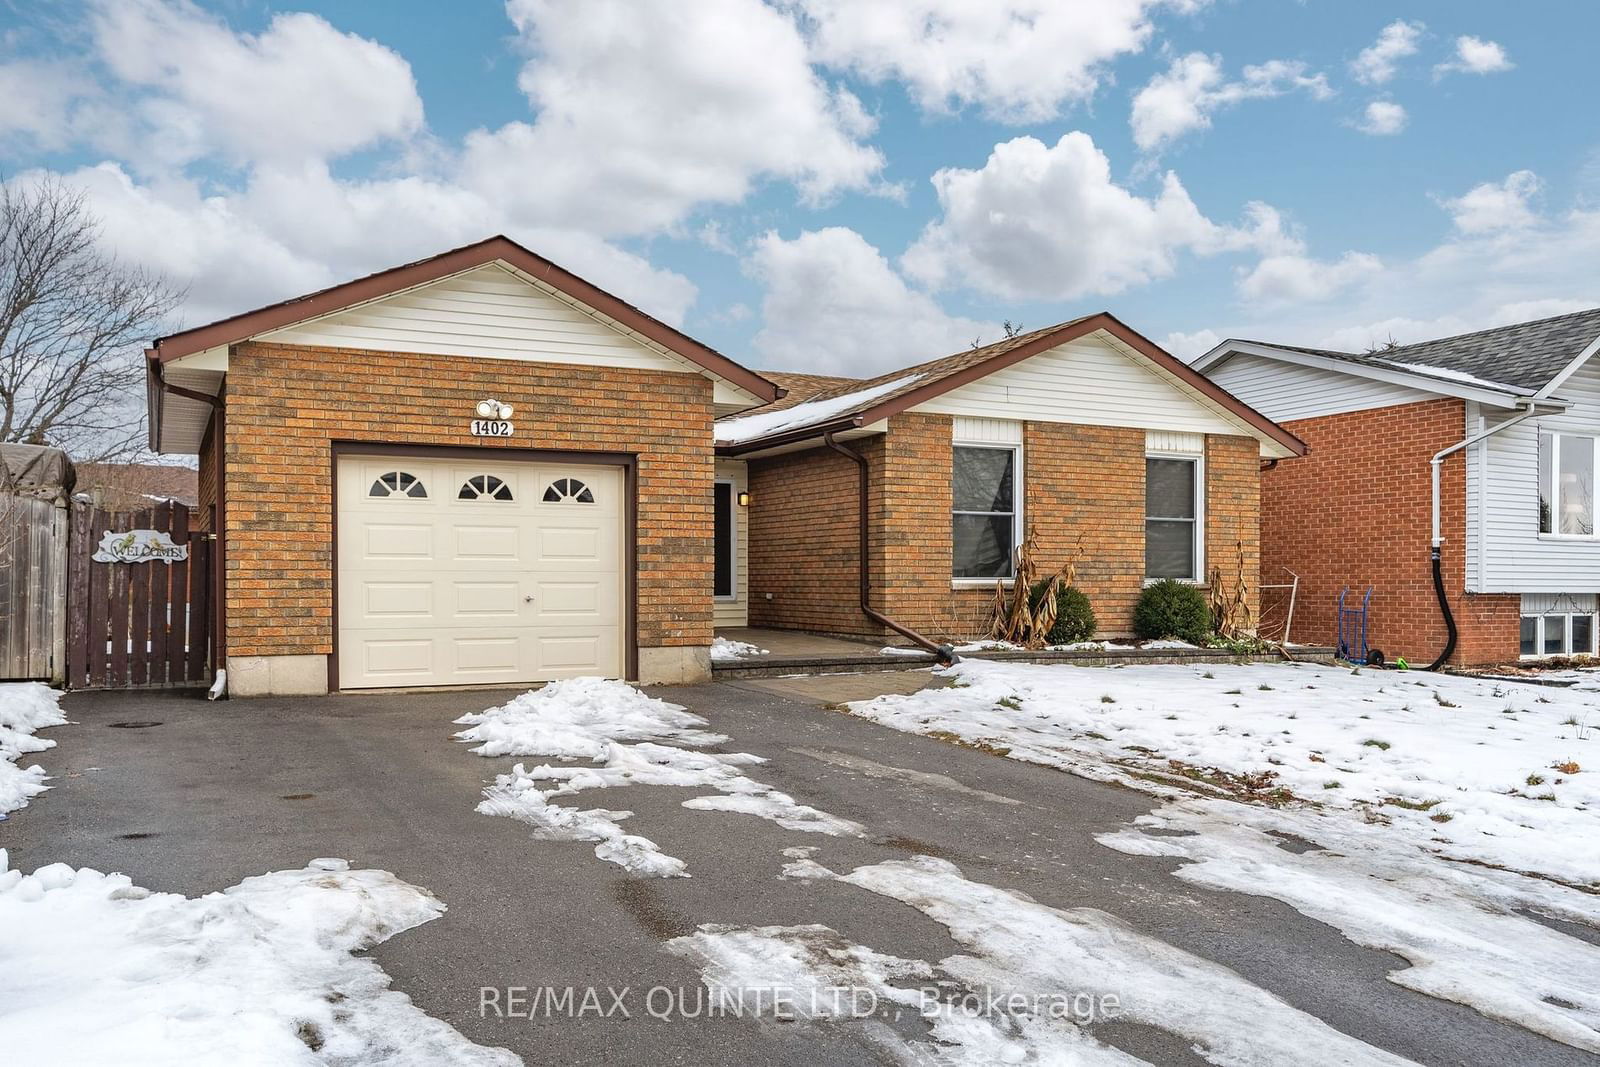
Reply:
x=1356, y=511
x=1233, y=514
x=286, y=406
x=1079, y=481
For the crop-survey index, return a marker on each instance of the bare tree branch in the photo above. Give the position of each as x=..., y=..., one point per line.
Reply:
x=73, y=321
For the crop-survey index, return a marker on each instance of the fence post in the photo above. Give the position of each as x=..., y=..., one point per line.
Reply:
x=60, y=554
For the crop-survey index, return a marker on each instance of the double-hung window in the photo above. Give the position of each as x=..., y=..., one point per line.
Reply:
x=984, y=520
x=1566, y=484
x=1173, y=495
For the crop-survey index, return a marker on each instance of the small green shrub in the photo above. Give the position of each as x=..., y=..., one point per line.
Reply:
x=1170, y=608
x=1074, y=617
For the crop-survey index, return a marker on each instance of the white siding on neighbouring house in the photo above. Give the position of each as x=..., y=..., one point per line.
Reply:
x=736, y=612
x=1512, y=556
x=489, y=312
x=1285, y=391
x=1088, y=381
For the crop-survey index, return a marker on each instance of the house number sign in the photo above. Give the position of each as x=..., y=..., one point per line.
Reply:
x=492, y=428
x=139, y=546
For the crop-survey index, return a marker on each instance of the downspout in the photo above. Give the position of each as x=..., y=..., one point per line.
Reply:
x=1530, y=409
x=945, y=653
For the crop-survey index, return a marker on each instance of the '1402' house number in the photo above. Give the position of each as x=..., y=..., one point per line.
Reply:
x=491, y=428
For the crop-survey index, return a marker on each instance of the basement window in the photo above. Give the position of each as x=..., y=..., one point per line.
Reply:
x=1560, y=624
x=983, y=523
x=1566, y=484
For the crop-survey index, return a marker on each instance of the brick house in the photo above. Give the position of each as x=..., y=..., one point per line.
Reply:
x=1512, y=414
x=481, y=469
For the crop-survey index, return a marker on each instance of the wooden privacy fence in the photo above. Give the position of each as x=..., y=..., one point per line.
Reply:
x=33, y=571
x=137, y=623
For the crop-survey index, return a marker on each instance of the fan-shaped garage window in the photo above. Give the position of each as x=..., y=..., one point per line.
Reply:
x=484, y=487
x=398, y=483
x=568, y=491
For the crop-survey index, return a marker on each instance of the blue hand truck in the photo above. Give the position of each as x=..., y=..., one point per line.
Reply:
x=1351, y=639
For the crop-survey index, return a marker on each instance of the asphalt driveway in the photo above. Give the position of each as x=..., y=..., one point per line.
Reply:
x=214, y=793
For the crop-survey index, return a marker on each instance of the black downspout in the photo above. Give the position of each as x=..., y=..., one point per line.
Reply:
x=945, y=653
x=1444, y=609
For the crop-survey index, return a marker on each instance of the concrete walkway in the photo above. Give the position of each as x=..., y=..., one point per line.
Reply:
x=217, y=792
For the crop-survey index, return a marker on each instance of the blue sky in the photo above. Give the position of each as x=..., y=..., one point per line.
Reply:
x=840, y=187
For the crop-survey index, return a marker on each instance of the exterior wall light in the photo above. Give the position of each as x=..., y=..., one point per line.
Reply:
x=493, y=409
x=744, y=500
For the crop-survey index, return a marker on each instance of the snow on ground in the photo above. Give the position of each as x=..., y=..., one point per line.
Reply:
x=589, y=719
x=94, y=969
x=24, y=708
x=723, y=650
x=1489, y=771
x=1406, y=810
x=1031, y=977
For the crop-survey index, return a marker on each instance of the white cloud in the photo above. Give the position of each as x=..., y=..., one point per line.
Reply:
x=1018, y=60
x=834, y=305
x=1048, y=222
x=1377, y=62
x=646, y=111
x=1186, y=346
x=300, y=89
x=297, y=230
x=1292, y=278
x=1382, y=118
x=1495, y=206
x=1183, y=98
x=1479, y=277
x=1474, y=55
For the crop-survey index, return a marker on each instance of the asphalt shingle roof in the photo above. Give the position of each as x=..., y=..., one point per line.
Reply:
x=1523, y=356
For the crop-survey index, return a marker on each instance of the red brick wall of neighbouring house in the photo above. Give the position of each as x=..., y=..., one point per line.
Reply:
x=286, y=406
x=1356, y=512
x=1079, y=482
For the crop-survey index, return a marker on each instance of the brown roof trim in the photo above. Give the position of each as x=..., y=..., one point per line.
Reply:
x=396, y=279
x=1072, y=331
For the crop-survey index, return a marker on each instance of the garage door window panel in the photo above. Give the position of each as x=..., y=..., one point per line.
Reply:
x=568, y=491
x=484, y=487
x=398, y=483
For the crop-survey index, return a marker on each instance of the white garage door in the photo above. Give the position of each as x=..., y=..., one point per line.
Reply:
x=467, y=571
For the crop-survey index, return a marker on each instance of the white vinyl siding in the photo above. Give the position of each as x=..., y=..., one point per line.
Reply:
x=489, y=312
x=986, y=431
x=1090, y=382
x=1285, y=391
x=736, y=612
x=1503, y=496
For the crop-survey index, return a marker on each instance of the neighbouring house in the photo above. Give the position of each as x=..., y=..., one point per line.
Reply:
x=480, y=469
x=1512, y=415
x=1122, y=459
x=136, y=486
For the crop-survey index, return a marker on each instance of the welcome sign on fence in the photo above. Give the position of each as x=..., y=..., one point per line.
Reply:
x=139, y=546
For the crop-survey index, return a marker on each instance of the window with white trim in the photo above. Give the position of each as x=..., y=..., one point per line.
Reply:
x=1559, y=625
x=984, y=520
x=1567, y=466
x=1173, y=494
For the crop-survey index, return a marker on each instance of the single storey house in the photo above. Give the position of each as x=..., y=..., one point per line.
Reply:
x=1480, y=446
x=481, y=469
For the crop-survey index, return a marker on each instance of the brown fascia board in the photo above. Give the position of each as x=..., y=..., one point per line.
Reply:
x=1070, y=332
x=397, y=279
x=799, y=433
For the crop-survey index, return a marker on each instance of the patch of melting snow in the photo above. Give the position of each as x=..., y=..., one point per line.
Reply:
x=1458, y=926
x=589, y=719
x=99, y=970
x=1030, y=986
x=724, y=649
x=25, y=707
